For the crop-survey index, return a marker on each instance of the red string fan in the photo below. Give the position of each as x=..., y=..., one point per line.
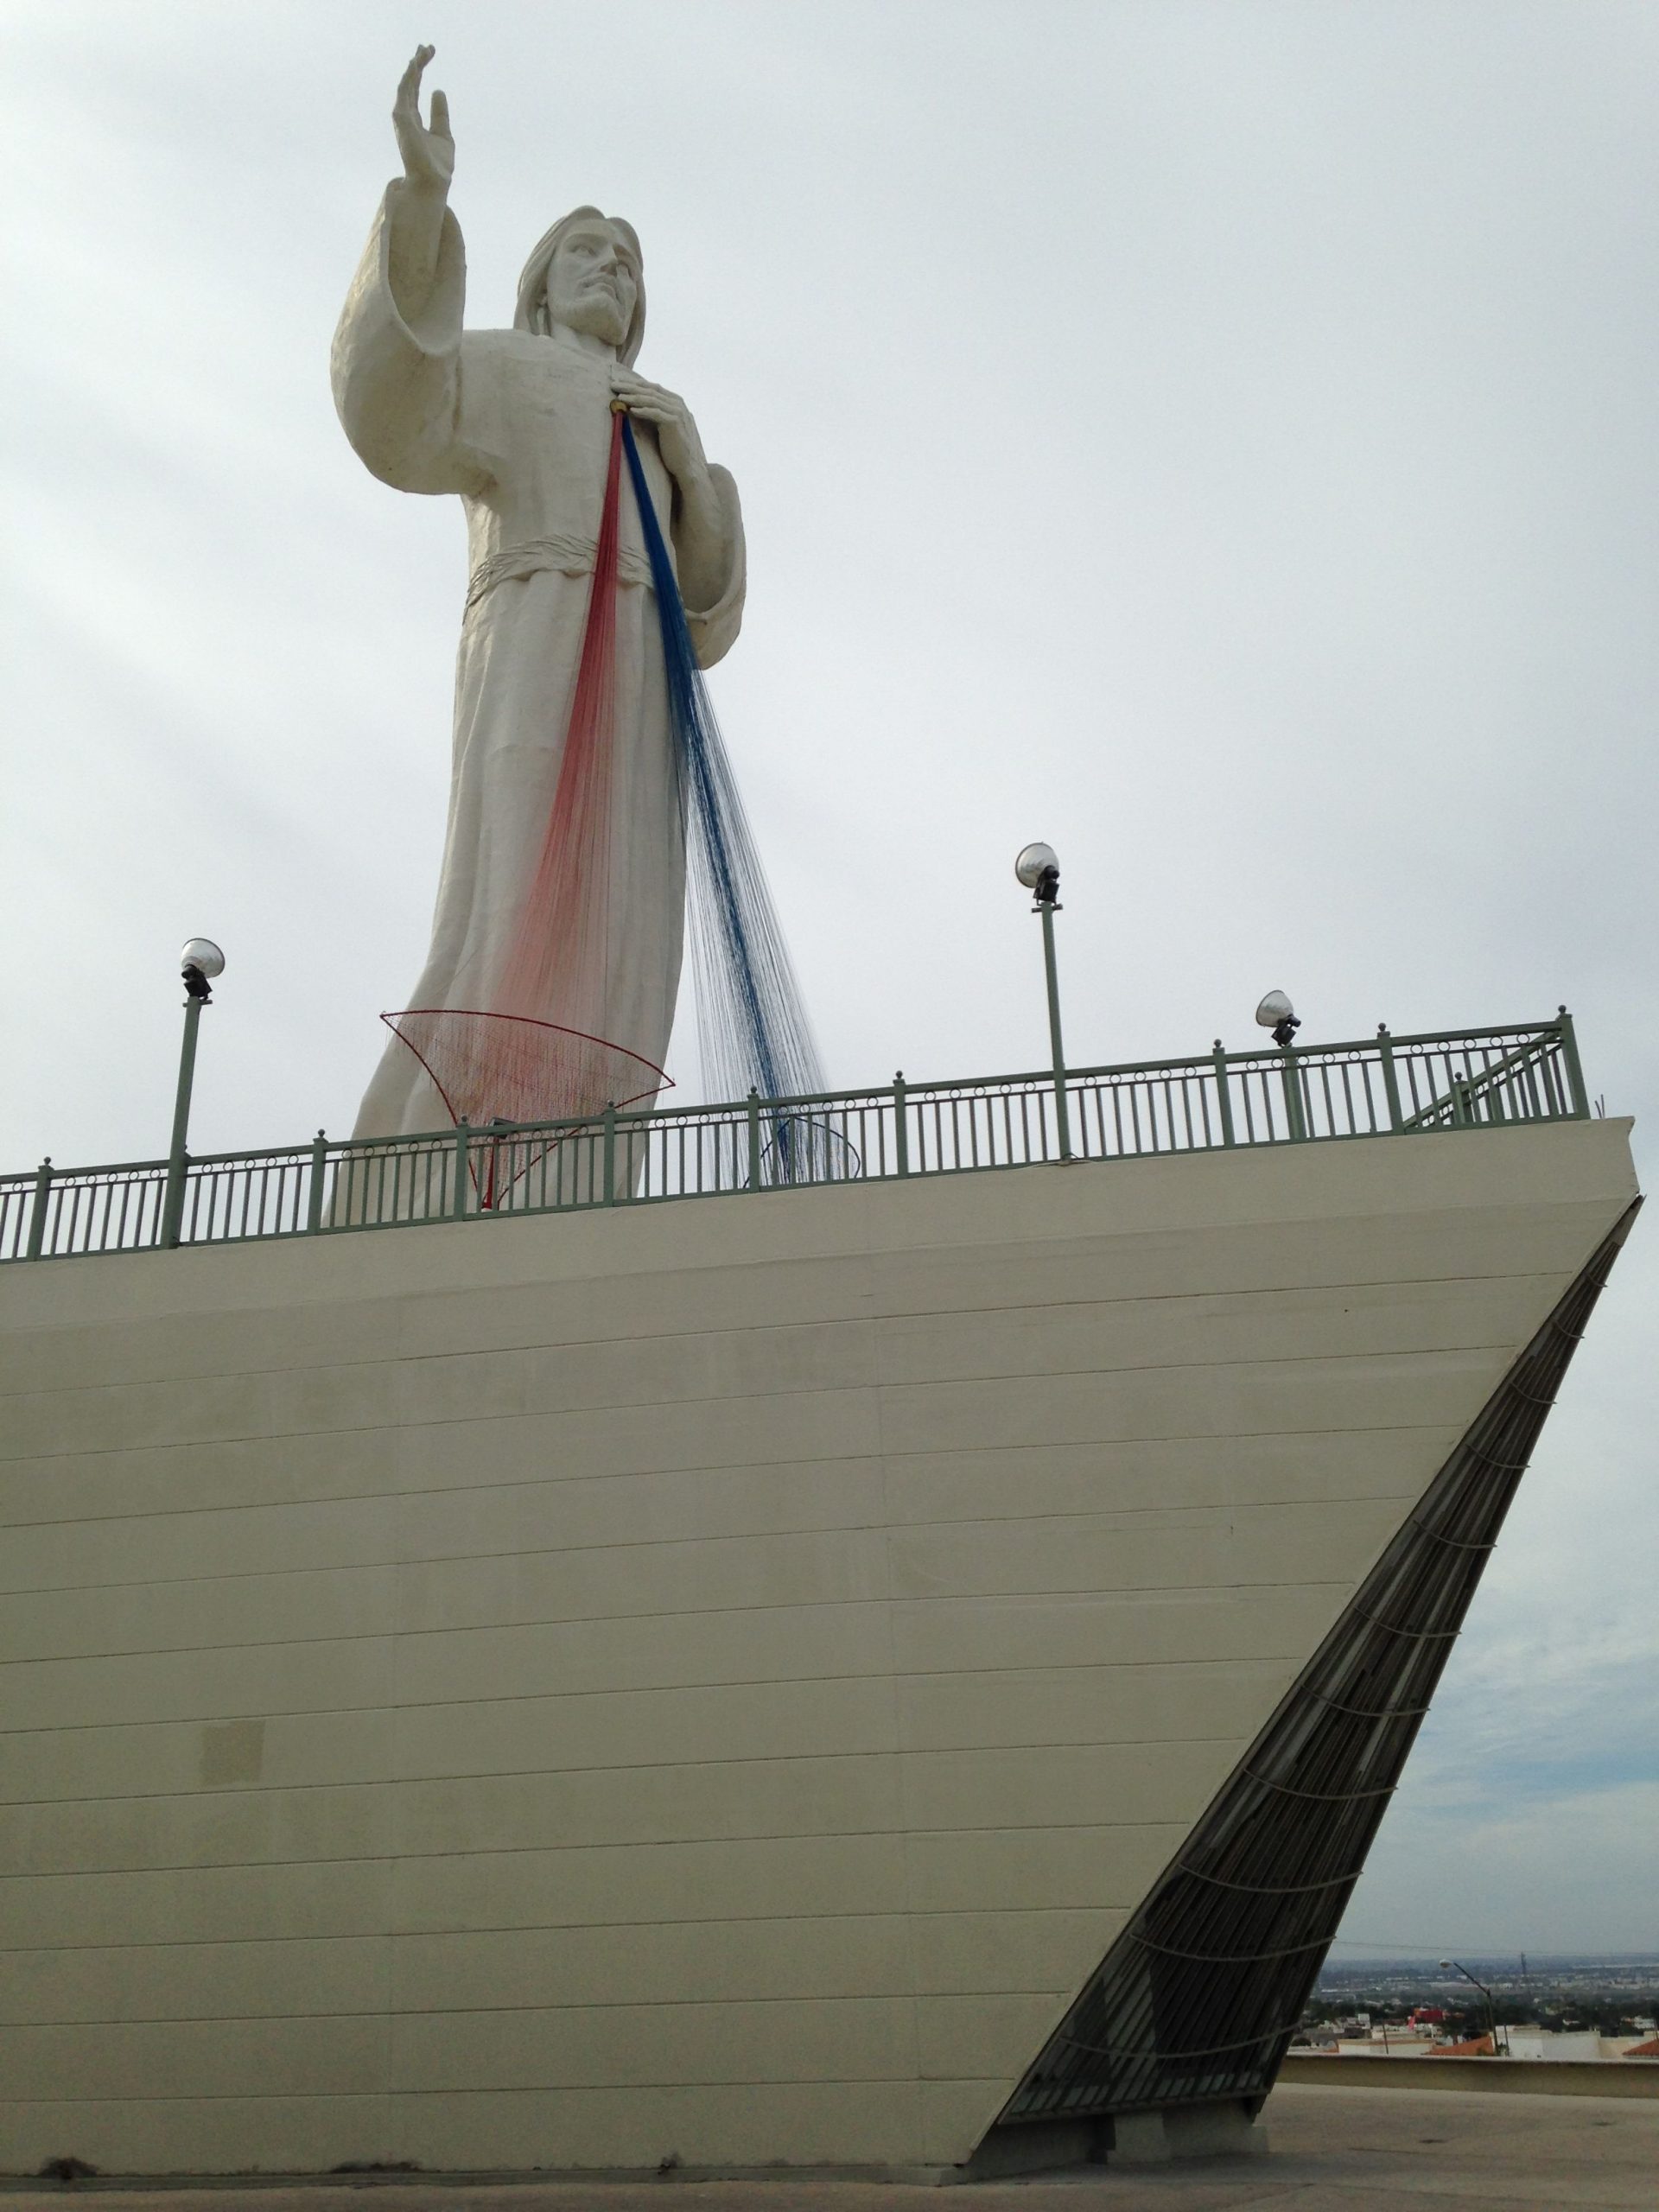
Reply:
x=509, y=1063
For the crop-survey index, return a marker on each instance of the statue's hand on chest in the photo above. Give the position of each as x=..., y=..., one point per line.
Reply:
x=677, y=434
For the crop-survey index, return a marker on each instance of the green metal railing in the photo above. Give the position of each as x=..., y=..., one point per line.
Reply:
x=1484, y=1078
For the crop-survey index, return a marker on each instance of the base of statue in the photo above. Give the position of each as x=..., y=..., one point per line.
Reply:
x=771, y=1682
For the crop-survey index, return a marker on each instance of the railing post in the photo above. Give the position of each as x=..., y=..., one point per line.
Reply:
x=608, y=1156
x=1224, y=1097
x=458, y=1202
x=901, y=1125
x=319, y=1170
x=1574, y=1070
x=37, y=1210
x=1296, y=1121
x=754, y=1138
x=1390, y=1074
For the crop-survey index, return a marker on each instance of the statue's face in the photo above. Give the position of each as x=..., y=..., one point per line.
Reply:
x=593, y=283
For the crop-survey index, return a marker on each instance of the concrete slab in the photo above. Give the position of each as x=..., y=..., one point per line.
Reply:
x=1333, y=2151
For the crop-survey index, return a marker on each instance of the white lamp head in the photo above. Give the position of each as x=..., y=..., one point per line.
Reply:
x=1034, y=863
x=1277, y=1013
x=201, y=952
x=199, y=961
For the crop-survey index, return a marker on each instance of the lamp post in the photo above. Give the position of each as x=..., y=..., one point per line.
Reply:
x=199, y=963
x=1276, y=1012
x=1039, y=868
x=1456, y=1966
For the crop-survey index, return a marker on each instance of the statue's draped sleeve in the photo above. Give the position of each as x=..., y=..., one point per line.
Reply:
x=714, y=629
x=397, y=383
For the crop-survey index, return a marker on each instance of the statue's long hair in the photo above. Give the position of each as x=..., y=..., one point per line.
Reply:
x=530, y=313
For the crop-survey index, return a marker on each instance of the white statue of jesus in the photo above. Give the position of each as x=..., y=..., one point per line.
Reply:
x=518, y=423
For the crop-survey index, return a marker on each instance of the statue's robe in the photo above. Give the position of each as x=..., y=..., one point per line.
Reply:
x=520, y=426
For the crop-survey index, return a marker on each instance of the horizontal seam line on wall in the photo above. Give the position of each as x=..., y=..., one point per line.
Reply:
x=871, y=1385
x=644, y=1689
x=640, y=1474
x=391, y=2013
x=403, y=1635
x=393, y=1856
x=897, y=1914
x=220, y=1793
x=886, y=1528
x=790, y=2081
x=250, y=1316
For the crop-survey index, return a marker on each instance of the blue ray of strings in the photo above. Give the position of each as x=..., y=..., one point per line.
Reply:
x=753, y=1031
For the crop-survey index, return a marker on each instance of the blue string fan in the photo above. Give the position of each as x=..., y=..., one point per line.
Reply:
x=753, y=1031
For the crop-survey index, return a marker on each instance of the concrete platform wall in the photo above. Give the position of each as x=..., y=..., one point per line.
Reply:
x=707, y=1679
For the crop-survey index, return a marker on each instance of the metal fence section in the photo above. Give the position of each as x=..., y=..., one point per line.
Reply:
x=1384, y=1085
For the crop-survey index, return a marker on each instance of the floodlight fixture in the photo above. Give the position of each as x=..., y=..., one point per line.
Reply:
x=1277, y=1013
x=1037, y=868
x=201, y=952
x=199, y=962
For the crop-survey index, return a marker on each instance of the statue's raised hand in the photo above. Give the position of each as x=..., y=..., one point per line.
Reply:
x=428, y=152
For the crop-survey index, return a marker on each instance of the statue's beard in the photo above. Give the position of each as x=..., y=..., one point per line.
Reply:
x=598, y=313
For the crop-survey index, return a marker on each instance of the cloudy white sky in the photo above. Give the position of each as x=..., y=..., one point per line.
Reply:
x=1217, y=438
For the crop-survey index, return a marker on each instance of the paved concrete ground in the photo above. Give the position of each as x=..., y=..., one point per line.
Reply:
x=1333, y=2151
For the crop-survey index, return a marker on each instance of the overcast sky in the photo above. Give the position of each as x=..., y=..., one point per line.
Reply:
x=1217, y=438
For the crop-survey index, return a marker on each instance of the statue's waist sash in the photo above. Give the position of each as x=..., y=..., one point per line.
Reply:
x=571, y=554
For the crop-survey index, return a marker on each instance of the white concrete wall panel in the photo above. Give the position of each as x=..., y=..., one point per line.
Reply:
x=702, y=1679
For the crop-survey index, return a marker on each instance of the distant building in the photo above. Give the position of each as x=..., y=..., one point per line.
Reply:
x=1560, y=2044
x=1399, y=2039
x=1422, y=2035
